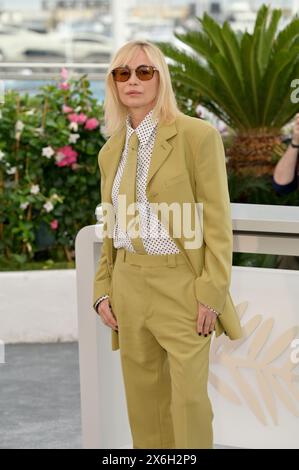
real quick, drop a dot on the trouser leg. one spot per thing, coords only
(173, 323)
(191, 409)
(144, 363)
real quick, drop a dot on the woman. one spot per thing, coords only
(285, 175)
(161, 294)
(285, 181)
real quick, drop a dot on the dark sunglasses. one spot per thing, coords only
(143, 72)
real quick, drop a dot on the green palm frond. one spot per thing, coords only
(244, 78)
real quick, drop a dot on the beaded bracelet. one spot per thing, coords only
(213, 310)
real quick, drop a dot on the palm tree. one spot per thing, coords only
(247, 80)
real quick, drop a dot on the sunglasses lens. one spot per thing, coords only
(121, 74)
(144, 73)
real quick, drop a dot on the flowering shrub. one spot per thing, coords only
(49, 179)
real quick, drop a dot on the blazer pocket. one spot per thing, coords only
(176, 179)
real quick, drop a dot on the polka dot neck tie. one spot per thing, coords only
(128, 216)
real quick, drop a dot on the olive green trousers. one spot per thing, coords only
(165, 363)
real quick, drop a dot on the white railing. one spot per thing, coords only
(253, 382)
(49, 70)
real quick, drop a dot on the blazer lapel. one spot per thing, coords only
(161, 148)
(111, 154)
(110, 157)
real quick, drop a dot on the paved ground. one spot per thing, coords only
(40, 397)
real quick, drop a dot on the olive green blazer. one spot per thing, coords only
(187, 165)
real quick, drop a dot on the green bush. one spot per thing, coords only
(49, 178)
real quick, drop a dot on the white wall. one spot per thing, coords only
(38, 306)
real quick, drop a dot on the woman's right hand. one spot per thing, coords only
(105, 312)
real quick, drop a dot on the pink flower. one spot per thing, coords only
(82, 118)
(67, 151)
(64, 73)
(73, 117)
(66, 156)
(67, 161)
(67, 109)
(79, 118)
(64, 86)
(54, 224)
(91, 124)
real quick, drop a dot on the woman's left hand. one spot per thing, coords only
(206, 320)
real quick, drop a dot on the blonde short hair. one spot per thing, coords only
(165, 109)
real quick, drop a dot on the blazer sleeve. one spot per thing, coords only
(102, 278)
(211, 184)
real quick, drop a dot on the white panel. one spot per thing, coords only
(269, 298)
